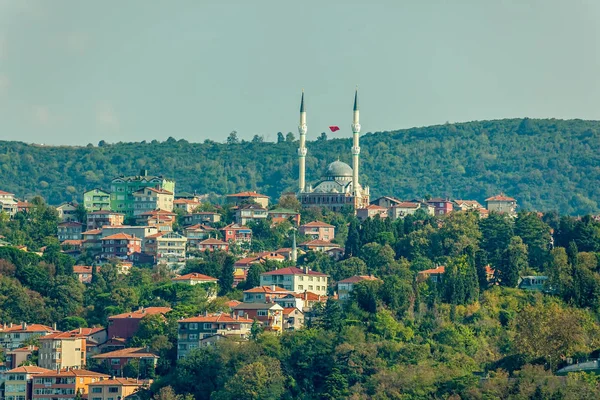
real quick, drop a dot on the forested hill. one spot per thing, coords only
(544, 164)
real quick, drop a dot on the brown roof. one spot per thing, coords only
(28, 328)
(72, 242)
(246, 261)
(248, 194)
(194, 276)
(406, 204)
(101, 212)
(142, 312)
(159, 212)
(289, 310)
(267, 289)
(74, 372)
(160, 191)
(78, 333)
(131, 352)
(438, 270)
(359, 278)
(28, 369)
(119, 382)
(118, 236)
(200, 227)
(92, 232)
(185, 201)
(233, 303)
(217, 318)
(3, 192)
(293, 271)
(317, 224)
(500, 197)
(468, 202)
(373, 207)
(213, 241)
(25, 349)
(84, 269)
(310, 296)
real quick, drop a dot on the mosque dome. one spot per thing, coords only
(338, 169)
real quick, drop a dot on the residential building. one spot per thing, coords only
(404, 208)
(346, 286)
(92, 240)
(116, 360)
(18, 384)
(64, 384)
(441, 206)
(101, 218)
(13, 336)
(167, 247)
(8, 203)
(197, 233)
(96, 200)
(213, 245)
(318, 245)
(270, 315)
(250, 213)
(192, 331)
(371, 211)
(533, 283)
(83, 273)
(126, 325)
(209, 283)
(187, 205)
(296, 280)
(264, 294)
(161, 219)
(248, 197)
(293, 319)
(236, 233)
(115, 388)
(502, 204)
(318, 230)
(280, 215)
(120, 245)
(150, 198)
(137, 231)
(62, 350)
(67, 212)
(434, 274)
(205, 217)
(23, 206)
(16, 357)
(123, 187)
(69, 231)
(467, 205)
(386, 201)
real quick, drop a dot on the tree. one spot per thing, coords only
(536, 236)
(322, 137)
(70, 323)
(233, 138)
(260, 380)
(365, 293)
(333, 316)
(258, 139)
(353, 240)
(460, 283)
(226, 276)
(496, 232)
(280, 137)
(253, 277)
(290, 137)
(397, 294)
(514, 261)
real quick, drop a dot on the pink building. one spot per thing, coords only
(318, 230)
(120, 245)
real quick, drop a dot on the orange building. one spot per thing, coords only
(64, 384)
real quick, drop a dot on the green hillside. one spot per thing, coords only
(544, 164)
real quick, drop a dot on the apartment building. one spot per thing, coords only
(62, 350)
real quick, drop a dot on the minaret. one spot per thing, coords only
(294, 250)
(355, 146)
(302, 149)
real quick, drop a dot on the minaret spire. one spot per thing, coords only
(355, 146)
(302, 128)
(294, 250)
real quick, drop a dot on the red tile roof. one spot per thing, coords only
(159, 212)
(92, 232)
(289, 310)
(200, 227)
(119, 382)
(406, 204)
(319, 243)
(131, 352)
(293, 271)
(212, 242)
(78, 333)
(317, 224)
(28, 369)
(102, 212)
(159, 191)
(267, 289)
(142, 312)
(185, 201)
(29, 328)
(74, 372)
(72, 242)
(5, 193)
(120, 236)
(373, 207)
(438, 270)
(233, 303)
(195, 277)
(310, 296)
(500, 197)
(84, 269)
(359, 278)
(217, 318)
(248, 194)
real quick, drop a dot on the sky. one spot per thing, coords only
(74, 72)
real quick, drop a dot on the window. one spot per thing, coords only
(310, 287)
(300, 287)
(193, 326)
(97, 389)
(115, 361)
(262, 313)
(113, 389)
(207, 326)
(193, 336)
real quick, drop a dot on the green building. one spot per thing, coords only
(122, 188)
(96, 200)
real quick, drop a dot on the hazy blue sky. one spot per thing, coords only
(75, 71)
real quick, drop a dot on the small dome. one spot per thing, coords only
(338, 169)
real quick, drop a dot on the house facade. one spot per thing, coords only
(126, 325)
(318, 230)
(8, 203)
(13, 336)
(168, 248)
(192, 331)
(270, 315)
(296, 280)
(115, 388)
(197, 233)
(116, 360)
(236, 233)
(213, 245)
(96, 200)
(120, 245)
(123, 187)
(62, 350)
(69, 231)
(346, 286)
(502, 204)
(187, 205)
(248, 197)
(208, 218)
(18, 382)
(152, 198)
(64, 384)
(250, 213)
(441, 206)
(280, 215)
(371, 211)
(101, 218)
(67, 212)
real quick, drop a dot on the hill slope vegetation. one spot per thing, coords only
(545, 164)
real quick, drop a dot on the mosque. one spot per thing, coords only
(339, 186)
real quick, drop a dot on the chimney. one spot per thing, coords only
(80, 331)
(305, 295)
(54, 326)
(24, 325)
(10, 325)
(273, 287)
(306, 269)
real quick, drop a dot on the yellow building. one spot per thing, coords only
(115, 388)
(17, 384)
(296, 280)
(64, 384)
(62, 350)
(148, 199)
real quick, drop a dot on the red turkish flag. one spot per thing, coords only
(334, 128)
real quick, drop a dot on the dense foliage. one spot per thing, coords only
(545, 164)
